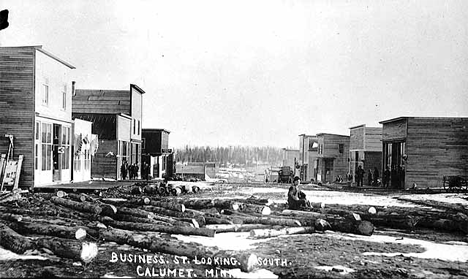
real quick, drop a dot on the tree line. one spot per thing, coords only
(231, 155)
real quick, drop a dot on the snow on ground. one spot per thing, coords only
(225, 241)
(342, 269)
(448, 198)
(448, 251)
(6, 255)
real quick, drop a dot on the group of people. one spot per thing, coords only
(130, 170)
(372, 177)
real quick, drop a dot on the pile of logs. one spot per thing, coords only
(69, 223)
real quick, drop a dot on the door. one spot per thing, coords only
(56, 153)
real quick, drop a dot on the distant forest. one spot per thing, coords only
(232, 155)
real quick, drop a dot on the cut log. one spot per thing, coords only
(186, 214)
(108, 210)
(11, 240)
(199, 203)
(218, 220)
(11, 217)
(240, 227)
(264, 210)
(195, 189)
(135, 212)
(50, 229)
(272, 221)
(61, 194)
(64, 248)
(404, 217)
(257, 233)
(77, 197)
(168, 205)
(159, 228)
(135, 219)
(456, 207)
(80, 206)
(338, 223)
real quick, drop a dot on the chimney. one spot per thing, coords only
(73, 89)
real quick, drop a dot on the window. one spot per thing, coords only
(46, 143)
(64, 97)
(45, 92)
(37, 138)
(66, 147)
(143, 144)
(341, 148)
(134, 126)
(138, 127)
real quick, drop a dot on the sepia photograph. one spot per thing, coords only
(234, 139)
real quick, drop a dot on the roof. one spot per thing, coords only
(358, 126)
(310, 136)
(39, 48)
(417, 117)
(155, 130)
(329, 134)
(137, 88)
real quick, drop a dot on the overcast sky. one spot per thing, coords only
(259, 72)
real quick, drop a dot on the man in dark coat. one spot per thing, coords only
(376, 176)
(359, 176)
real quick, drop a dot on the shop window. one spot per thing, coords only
(46, 144)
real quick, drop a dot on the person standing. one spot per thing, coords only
(145, 171)
(369, 178)
(123, 170)
(360, 176)
(376, 176)
(386, 177)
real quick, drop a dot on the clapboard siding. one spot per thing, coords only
(394, 130)
(356, 139)
(17, 106)
(102, 101)
(373, 139)
(330, 143)
(436, 147)
(102, 165)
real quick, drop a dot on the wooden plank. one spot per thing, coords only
(18, 172)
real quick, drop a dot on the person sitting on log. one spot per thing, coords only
(297, 198)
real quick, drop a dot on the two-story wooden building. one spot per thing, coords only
(332, 157)
(365, 149)
(117, 121)
(307, 160)
(422, 150)
(157, 154)
(35, 107)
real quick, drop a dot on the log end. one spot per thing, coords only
(366, 228)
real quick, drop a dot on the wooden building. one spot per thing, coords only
(365, 150)
(307, 160)
(422, 150)
(191, 171)
(156, 152)
(84, 146)
(117, 121)
(332, 157)
(35, 107)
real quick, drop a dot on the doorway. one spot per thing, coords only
(56, 152)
